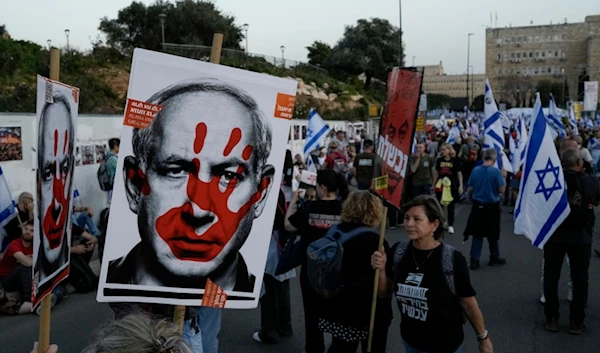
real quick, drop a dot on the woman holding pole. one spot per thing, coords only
(431, 283)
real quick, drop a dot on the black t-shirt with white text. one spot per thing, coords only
(315, 218)
(426, 304)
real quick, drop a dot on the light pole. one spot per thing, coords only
(400, 31)
(562, 70)
(468, 63)
(245, 28)
(413, 60)
(67, 32)
(282, 56)
(472, 84)
(162, 18)
(49, 44)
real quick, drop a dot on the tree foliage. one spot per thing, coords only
(545, 87)
(369, 47)
(437, 101)
(318, 53)
(186, 22)
(478, 103)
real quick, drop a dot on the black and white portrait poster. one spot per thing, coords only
(196, 187)
(57, 106)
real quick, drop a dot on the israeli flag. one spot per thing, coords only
(414, 144)
(588, 123)
(453, 134)
(315, 132)
(474, 130)
(542, 205)
(492, 127)
(573, 121)
(520, 144)
(310, 165)
(8, 208)
(554, 120)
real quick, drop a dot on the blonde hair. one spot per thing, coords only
(137, 333)
(362, 207)
(450, 149)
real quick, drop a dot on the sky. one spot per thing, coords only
(434, 30)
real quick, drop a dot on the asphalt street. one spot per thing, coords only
(508, 297)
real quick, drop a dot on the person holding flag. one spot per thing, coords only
(573, 121)
(554, 120)
(316, 131)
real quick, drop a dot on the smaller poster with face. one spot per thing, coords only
(396, 132)
(57, 108)
(196, 184)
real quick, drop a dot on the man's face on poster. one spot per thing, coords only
(56, 177)
(202, 186)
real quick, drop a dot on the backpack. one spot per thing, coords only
(582, 213)
(81, 275)
(340, 164)
(448, 253)
(324, 260)
(104, 179)
(8, 304)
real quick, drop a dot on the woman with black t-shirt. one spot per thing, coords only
(449, 166)
(431, 301)
(288, 176)
(347, 314)
(312, 222)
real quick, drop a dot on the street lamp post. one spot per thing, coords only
(162, 18)
(564, 101)
(468, 64)
(472, 84)
(400, 31)
(413, 61)
(67, 32)
(245, 28)
(282, 56)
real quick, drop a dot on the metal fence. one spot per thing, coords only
(238, 58)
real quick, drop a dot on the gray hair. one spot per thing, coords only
(144, 140)
(490, 154)
(569, 158)
(24, 196)
(137, 333)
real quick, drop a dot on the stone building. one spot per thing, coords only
(517, 58)
(437, 82)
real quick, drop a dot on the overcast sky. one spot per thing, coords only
(434, 30)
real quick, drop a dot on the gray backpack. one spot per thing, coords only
(104, 179)
(448, 252)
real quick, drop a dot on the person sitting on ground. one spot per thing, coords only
(431, 282)
(82, 217)
(347, 314)
(25, 208)
(81, 277)
(15, 266)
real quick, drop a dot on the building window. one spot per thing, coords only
(549, 38)
(537, 54)
(537, 39)
(506, 40)
(549, 70)
(543, 54)
(556, 53)
(556, 38)
(531, 54)
(512, 55)
(524, 55)
(513, 39)
(499, 56)
(563, 36)
(535, 70)
(518, 39)
(518, 55)
(506, 56)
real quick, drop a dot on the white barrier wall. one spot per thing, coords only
(92, 131)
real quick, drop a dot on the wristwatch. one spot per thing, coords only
(483, 336)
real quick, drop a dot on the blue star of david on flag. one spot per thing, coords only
(541, 174)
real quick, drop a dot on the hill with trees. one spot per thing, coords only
(341, 81)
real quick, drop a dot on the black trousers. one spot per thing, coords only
(579, 258)
(451, 207)
(19, 280)
(275, 313)
(313, 336)
(378, 345)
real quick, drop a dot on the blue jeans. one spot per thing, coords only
(192, 335)
(477, 244)
(410, 349)
(418, 190)
(210, 326)
(85, 221)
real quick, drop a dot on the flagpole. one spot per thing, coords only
(376, 281)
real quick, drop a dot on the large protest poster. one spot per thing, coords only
(396, 132)
(57, 109)
(196, 186)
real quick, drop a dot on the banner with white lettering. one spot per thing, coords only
(590, 97)
(396, 131)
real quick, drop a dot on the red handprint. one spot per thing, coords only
(178, 225)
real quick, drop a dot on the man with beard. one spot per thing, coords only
(54, 181)
(197, 181)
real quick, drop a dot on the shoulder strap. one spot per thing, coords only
(353, 233)
(401, 248)
(448, 252)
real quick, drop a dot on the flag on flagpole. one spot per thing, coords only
(542, 204)
(453, 134)
(492, 127)
(520, 144)
(315, 132)
(310, 165)
(8, 208)
(558, 128)
(573, 121)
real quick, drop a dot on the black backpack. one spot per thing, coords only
(104, 179)
(582, 211)
(81, 275)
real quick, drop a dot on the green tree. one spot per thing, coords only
(546, 87)
(186, 22)
(437, 101)
(3, 31)
(478, 103)
(318, 53)
(370, 47)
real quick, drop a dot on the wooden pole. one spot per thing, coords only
(215, 58)
(46, 304)
(376, 281)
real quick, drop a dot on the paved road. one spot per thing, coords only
(508, 297)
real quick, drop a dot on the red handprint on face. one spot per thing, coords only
(178, 225)
(56, 215)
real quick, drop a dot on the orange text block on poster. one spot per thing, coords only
(284, 106)
(140, 114)
(214, 296)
